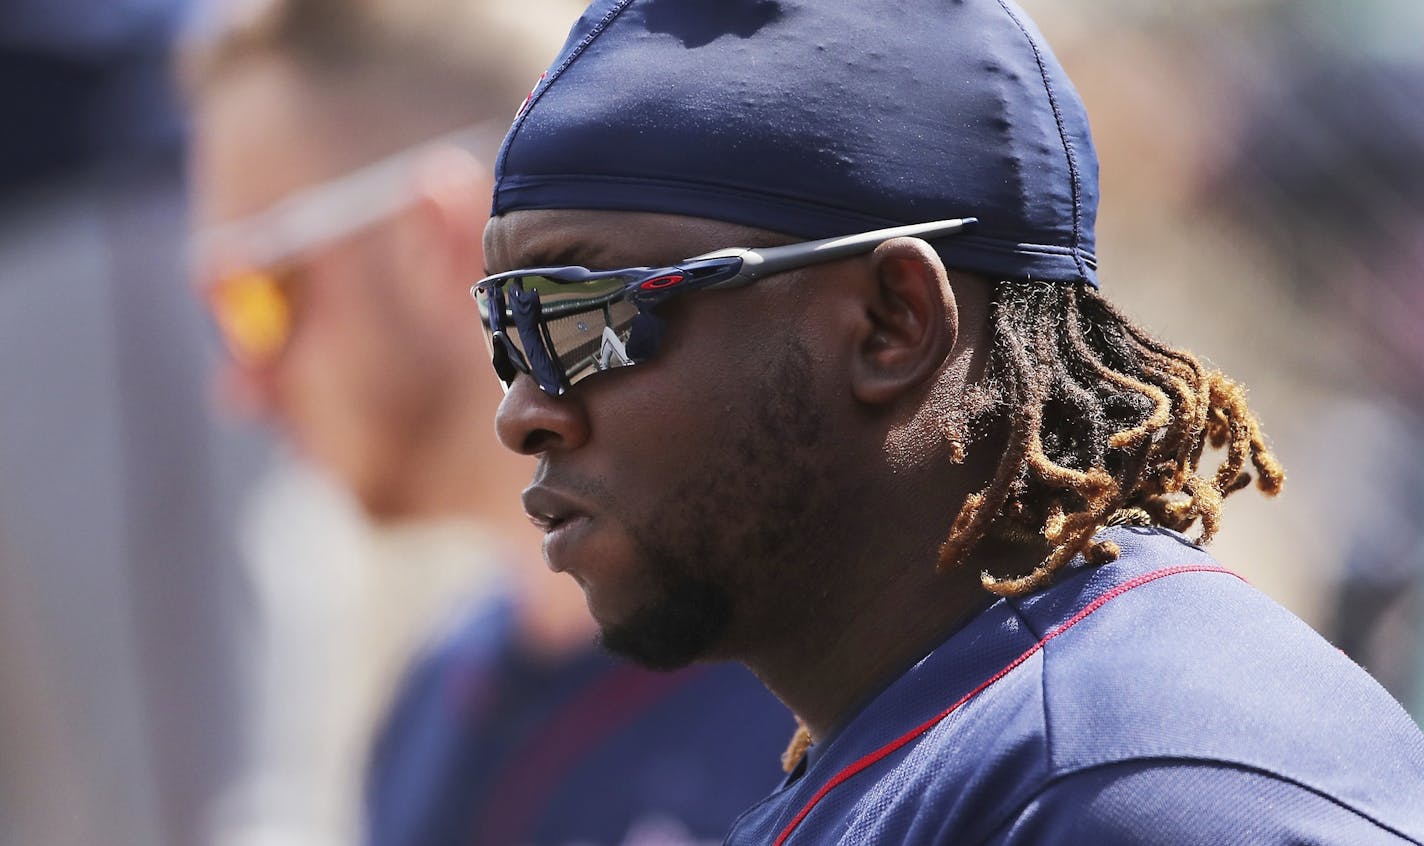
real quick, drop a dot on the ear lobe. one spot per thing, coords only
(911, 321)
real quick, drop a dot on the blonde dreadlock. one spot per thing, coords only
(1105, 425)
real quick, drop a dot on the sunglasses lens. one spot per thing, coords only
(585, 325)
(582, 327)
(254, 314)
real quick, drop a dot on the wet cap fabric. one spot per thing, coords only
(818, 118)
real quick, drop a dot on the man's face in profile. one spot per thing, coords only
(688, 494)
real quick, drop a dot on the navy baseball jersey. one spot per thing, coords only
(1156, 699)
(489, 745)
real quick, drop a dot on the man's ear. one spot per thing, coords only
(445, 226)
(910, 322)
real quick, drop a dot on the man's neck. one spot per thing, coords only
(882, 629)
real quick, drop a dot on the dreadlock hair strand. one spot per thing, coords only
(1107, 425)
(979, 509)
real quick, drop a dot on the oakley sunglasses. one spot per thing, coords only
(560, 325)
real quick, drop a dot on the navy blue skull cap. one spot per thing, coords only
(818, 118)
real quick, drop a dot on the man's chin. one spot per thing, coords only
(673, 633)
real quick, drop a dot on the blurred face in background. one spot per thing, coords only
(353, 344)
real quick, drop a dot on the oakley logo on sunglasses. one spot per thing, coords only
(552, 310)
(662, 282)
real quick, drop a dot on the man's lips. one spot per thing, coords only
(562, 541)
(562, 518)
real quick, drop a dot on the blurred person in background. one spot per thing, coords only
(1330, 171)
(340, 182)
(123, 611)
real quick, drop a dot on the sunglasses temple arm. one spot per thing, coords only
(770, 260)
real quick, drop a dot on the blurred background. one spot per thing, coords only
(198, 632)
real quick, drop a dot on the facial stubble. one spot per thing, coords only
(740, 547)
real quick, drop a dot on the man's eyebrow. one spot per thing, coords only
(547, 256)
(574, 252)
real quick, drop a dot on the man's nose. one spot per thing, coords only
(531, 422)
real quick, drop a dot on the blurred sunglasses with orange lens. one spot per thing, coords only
(252, 293)
(254, 312)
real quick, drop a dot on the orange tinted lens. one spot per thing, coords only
(254, 314)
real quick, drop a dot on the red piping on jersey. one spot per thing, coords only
(879, 754)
